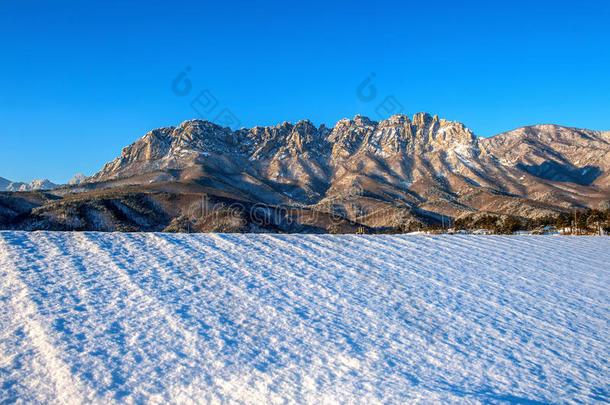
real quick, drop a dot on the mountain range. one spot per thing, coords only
(42, 184)
(298, 177)
(35, 185)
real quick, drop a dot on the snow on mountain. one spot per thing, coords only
(42, 184)
(450, 170)
(391, 174)
(218, 318)
(77, 179)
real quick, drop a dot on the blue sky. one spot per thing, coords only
(82, 80)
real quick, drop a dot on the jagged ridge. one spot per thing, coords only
(375, 174)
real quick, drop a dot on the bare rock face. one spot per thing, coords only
(360, 166)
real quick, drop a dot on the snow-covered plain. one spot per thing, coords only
(175, 318)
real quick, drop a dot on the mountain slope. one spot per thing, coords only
(4, 183)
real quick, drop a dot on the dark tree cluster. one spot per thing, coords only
(581, 222)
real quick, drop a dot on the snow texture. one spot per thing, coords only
(217, 318)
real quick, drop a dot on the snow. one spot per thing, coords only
(466, 162)
(217, 318)
(445, 129)
(77, 179)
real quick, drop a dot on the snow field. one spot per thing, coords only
(218, 318)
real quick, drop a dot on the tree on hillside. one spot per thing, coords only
(488, 222)
(510, 225)
(581, 221)
(595, 220)
(562, 221)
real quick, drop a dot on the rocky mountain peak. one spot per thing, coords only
(398, 120)
(348, 135)
(433, 157)
(397, 134)
(423, 119)
(77, 179)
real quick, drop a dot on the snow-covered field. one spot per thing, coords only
(158, 318)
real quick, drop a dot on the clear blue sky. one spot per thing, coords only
(82, 80)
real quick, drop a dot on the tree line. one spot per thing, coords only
(580, 222)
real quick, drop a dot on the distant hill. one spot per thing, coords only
(43, 184)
